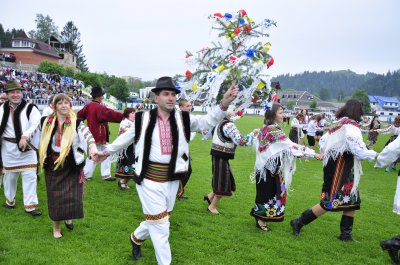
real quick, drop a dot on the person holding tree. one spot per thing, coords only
(161, 139)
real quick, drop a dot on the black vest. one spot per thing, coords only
(147, 141)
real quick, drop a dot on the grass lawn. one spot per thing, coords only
(198, 237)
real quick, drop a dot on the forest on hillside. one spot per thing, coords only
(340, 84)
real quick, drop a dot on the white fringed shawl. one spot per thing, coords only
(336, 142)
(272, 146)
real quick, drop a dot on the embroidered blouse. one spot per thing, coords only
(231, 131)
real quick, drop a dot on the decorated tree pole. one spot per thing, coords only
(240, 54)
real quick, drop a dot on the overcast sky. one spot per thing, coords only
(148, 39)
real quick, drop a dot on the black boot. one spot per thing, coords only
(136, 252)
(346, 226)
(306, 217)
(392, 246)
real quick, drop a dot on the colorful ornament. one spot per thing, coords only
(242, 12)
(270, 62)
(250, 53)
(188, 74)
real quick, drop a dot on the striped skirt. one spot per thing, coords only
(338, 182)
(64, 191)
(223, 183)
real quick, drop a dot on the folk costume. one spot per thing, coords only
(390, 154)
(226, 137)
(61, 155)
(18, 122)
(125, 166)
(274, 168)
(162, 160)
(98, 116)
(343, 149)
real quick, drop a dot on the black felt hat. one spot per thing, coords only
(165, 83)
(97, 92)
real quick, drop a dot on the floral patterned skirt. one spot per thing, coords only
(338, 182)
(125, 163)
(270, 200)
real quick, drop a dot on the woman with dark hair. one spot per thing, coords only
(125, 167)
(63, 142)
(274, 167)
(343, 149)
(373, 134)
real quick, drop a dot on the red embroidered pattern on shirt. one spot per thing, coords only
(165, 137)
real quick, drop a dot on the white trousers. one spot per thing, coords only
(90, 166)
(29, 184)
(158, 201)
(396, 203)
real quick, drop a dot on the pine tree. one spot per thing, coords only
(70, 33)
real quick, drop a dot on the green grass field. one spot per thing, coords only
(198, 237)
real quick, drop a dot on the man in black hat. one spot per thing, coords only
(161, 138)
(18, 130)
(98, 116)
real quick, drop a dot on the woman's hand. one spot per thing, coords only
(319, 156)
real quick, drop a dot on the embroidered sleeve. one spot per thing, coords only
(230, 130)
(389, 154)
(85, 135)
(302, 151)
(122, 141)
(359, 149)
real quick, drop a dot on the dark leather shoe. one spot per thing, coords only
(69, 226)
(207, 199)
(9, 206)
(392, 246)
(34, 213)
(136, 252)
(296, 226)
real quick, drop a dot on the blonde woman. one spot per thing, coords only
(63, 142)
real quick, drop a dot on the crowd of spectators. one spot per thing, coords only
(39, 87)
